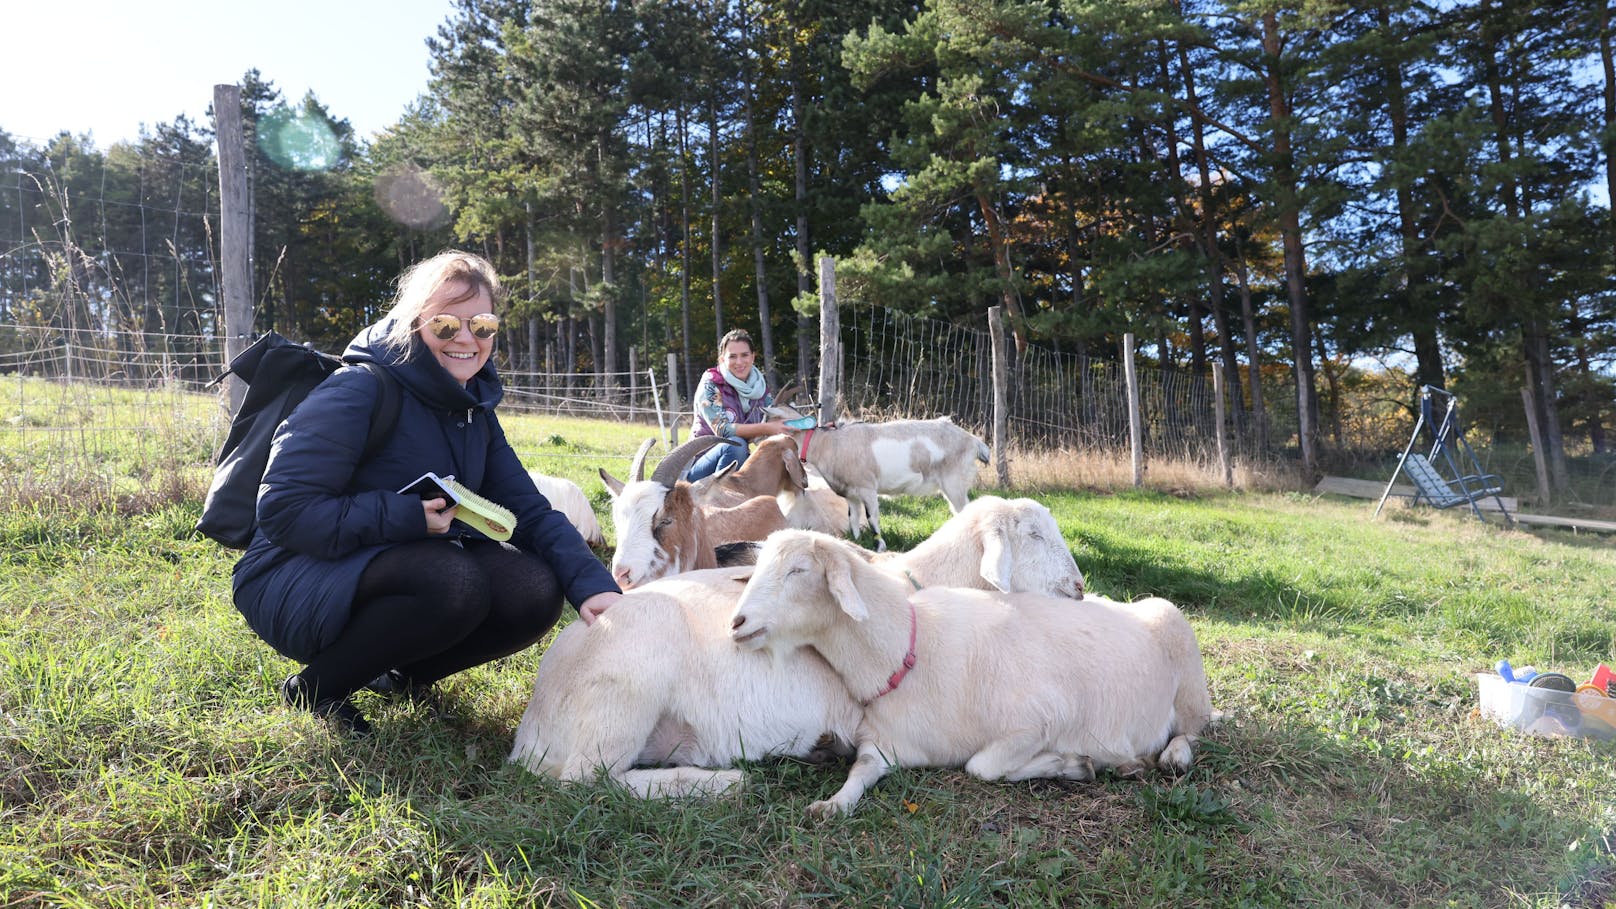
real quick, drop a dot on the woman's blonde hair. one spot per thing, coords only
(421, 281)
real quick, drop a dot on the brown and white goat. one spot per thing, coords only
(775, 469)
(660, 528)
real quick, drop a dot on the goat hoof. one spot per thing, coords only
(824, 809)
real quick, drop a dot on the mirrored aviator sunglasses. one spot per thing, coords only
(444, 326)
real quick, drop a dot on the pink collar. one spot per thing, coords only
(809, 434)
(908, 658)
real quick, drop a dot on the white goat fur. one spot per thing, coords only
(568, 498)
(862, 461)
(657, 678)
(1008, 686)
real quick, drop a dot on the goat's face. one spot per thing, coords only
(1023, 551)
(657, 532)
(801, 585)
(782, 449)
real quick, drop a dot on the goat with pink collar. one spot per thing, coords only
(1008, 686)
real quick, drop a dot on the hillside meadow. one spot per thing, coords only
(145, 760)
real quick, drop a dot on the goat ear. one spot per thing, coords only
(996, 559)
(840, 581)
(613, 484)
(799, 477)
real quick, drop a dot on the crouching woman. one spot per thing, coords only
(372, 588)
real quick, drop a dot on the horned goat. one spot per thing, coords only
(861, 461)
(1008, 686)
(775, 469)
(661, 530)
(568, 498)
(657, 679)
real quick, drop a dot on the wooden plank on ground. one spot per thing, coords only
(1574, 523)
(1371, 489)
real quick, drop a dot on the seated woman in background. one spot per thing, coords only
(730, 402)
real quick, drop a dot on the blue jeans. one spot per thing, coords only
(714, 459)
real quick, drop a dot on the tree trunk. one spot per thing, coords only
(1428, 366)
(1183, 228)
(718, 271)
(755, 193)
(1209, 239)
(609, 242)
(1001, 266)
(1290, 224)
(805, 279)
(684, 249)
(1609, 66)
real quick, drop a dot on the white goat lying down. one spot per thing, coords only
(1008, 686)
(658, 680)
(568, 498)
(862, 461)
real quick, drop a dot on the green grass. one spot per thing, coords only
(144, 760)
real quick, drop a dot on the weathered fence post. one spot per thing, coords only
(1136, 433)
(674, 407)
(830, 342)
(235, 230)
(1217, 409)
(1001, 379)
(633, 379)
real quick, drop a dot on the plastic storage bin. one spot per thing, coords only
(1544, 711)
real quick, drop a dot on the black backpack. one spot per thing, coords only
(279, 374)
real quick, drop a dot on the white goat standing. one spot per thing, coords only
(568, 498)
(1008, 686)
(862, 461)
(657, 679)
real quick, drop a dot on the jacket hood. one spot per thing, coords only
(417, 370)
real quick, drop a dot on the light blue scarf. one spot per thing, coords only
(749, 389)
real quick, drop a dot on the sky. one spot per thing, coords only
(104, 68)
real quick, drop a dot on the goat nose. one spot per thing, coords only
(624, 578)
(739, 621)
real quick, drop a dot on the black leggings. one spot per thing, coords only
(430, 609)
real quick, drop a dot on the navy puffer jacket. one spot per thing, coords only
(323, 515)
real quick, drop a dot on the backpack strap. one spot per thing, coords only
(384, 418)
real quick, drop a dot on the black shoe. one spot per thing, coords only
(395, 684)
(339, 712)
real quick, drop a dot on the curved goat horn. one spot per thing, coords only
(636, 469)
(678, 460)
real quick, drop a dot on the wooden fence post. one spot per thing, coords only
(633, 378)
(1217, 408)
(235, 230)
(1136, 434)
(830, 342)
(674, 407)
(1001, 379)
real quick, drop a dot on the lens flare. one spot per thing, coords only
(411, 197)
(298, 140)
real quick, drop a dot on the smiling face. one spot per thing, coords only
(737, 358)
(464, 354)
